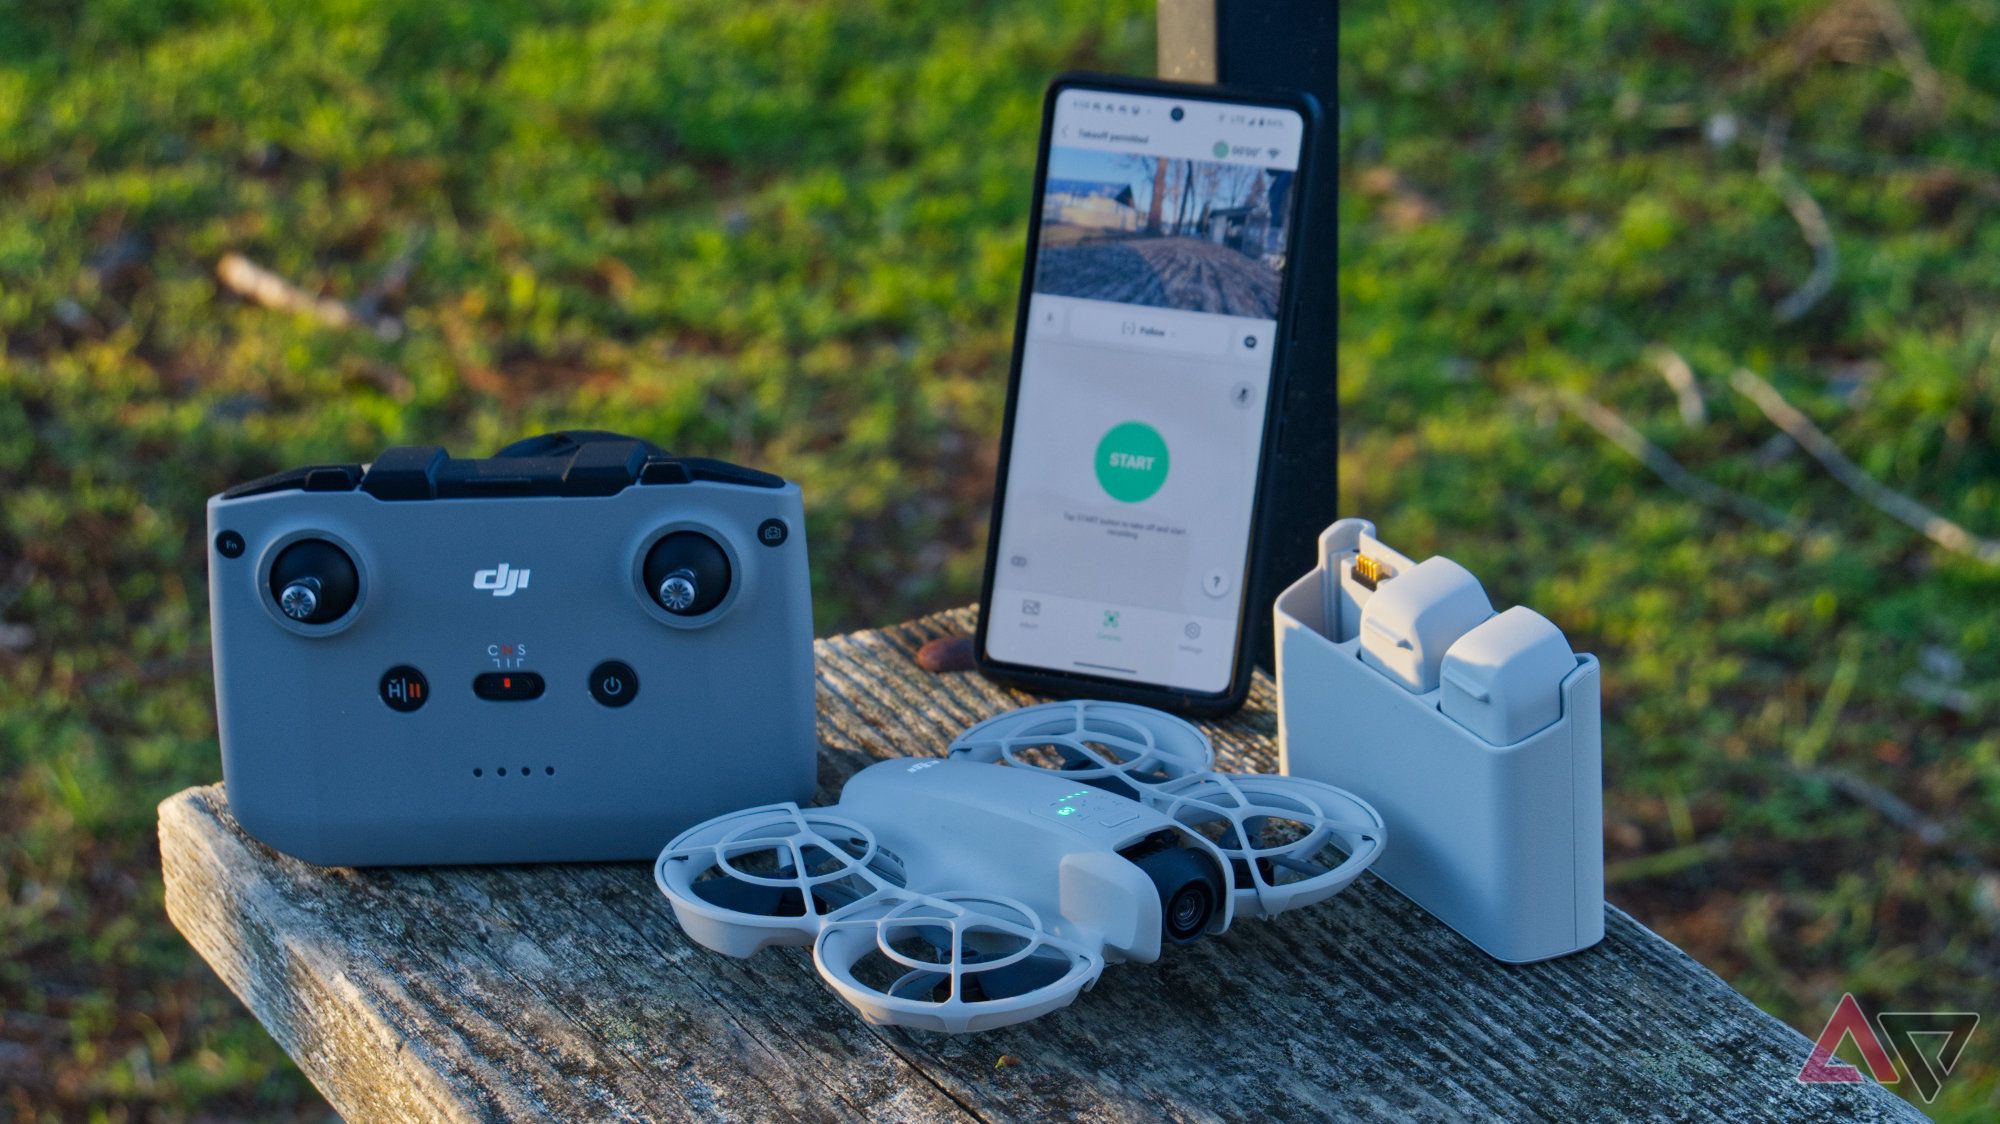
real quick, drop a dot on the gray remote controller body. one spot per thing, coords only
(570, 651)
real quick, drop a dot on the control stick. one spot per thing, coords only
(687, 574)
(314, 582)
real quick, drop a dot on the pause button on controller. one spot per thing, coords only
(614, 683)
(404, 688)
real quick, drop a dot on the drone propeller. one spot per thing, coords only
(1119, 747)
(748, 897)
(769, 875)
(991, 973)
(1289, 841)
(953, 962)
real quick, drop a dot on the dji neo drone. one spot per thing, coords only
(993, 885)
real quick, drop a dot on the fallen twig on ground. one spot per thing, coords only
(1620, 432)
(1680, 377)
(1819, 733)
(1774, 450)
(1925, 81)
(391, 285)
(1812, 225)
(255, 283)
(1927, 689)
(1896, 505)
(1661, 864)
(1890, 806)
(1858, 31)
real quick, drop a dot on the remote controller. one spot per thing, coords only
(570, 650)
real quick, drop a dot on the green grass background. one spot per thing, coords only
(790, 234)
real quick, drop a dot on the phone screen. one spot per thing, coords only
(1139, 406)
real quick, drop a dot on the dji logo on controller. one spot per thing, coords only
(502, 581)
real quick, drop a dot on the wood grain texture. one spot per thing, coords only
(568, 991)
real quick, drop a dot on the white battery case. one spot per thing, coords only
(1475, 734)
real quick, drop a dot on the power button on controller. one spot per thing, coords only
(614, 683)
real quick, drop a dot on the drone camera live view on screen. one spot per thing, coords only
(1140, 402)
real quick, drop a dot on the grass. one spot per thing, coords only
(789, 234)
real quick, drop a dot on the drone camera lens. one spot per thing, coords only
(1188, 912)
(1190, 891)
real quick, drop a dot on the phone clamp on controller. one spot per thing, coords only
(570, 650)
(1475, 733)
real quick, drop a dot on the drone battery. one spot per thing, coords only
(1503, 679)
(1489, 777)
(1408, 624)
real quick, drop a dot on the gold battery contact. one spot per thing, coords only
(1369, 571)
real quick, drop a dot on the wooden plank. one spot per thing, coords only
(568, 991)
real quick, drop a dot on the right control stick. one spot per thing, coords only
(687, 573)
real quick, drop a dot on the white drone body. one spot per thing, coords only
(993, 885)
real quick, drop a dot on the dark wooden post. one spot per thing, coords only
(1289, 44)
(1187, 40)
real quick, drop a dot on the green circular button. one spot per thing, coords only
(1131, 462)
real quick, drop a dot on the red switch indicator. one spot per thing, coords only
(508, 686)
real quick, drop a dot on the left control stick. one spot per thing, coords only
(314, 582)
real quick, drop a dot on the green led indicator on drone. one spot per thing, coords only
(1066, 810)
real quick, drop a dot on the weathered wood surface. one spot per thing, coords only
(568, 991)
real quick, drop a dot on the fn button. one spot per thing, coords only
(404, 688)
(614, 683)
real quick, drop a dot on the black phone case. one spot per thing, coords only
(1069, 683)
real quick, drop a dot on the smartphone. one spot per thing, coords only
(1149, 352)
